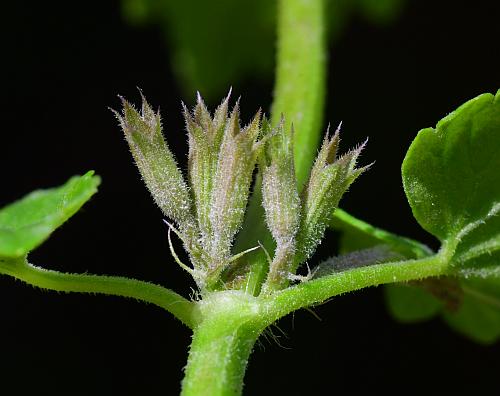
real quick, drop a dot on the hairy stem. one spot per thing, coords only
(300, 77)
(231, 321)
(317, 291)
(218, 359)
(299, 95)
(222, 344)
(172, 302)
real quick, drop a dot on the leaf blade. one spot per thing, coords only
(28, 222)
(452, 181)
(450, 173)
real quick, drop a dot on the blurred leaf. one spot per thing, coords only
(381, 11)
(476, 314)
(479, 314)
(26, 223)
(409, 303)
(217, 44)
(213, 44)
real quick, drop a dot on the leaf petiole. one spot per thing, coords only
(181, 308)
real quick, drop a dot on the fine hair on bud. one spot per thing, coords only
(236, 163)
(156, 163)
(329, 179)
(222, 158)
(209, 209)
(281, 202)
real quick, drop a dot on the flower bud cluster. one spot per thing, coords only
(298, 224)
(222, 158)
(209, 210)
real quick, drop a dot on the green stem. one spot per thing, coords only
(231, 321)
(172, 302)
(317, 291)
(301, 77)
(367, 235)
(218, 359)
(299, 95)
(222, 344)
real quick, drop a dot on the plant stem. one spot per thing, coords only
(317, 291)
(367, 235)
(182, 309)
(301, 77)
(231, 321)
(222, 344)
(299, 95)
(217, 359)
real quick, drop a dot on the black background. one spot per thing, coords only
(65, 64)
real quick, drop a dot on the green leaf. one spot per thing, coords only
(451, 176)
(452, 179)
(451, 173)
(26, 223)
(478, 252)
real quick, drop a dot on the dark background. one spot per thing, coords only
(65, 64)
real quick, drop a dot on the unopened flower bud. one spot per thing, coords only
(156, 163)
(281, 203)
(205, 137)
(231, 186)
(329, 179)
(279, 186)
